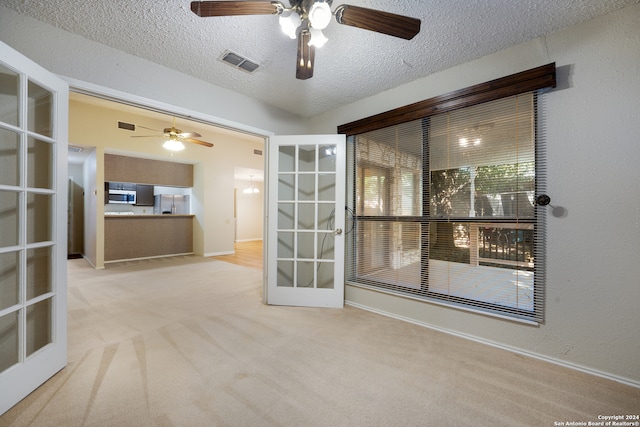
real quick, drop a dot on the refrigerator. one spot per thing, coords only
(171, 204)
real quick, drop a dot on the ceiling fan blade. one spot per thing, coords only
(229, 8)
(391, 24)
(146, 136)
(306, 57)
(189, 135)
(197, 141)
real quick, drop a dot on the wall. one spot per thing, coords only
(101, 65)
(249, 211)
(93, 247)
(593, 152)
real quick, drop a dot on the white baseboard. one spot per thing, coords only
(148, 257)
(259, 239)
(84, 257)
(542, 357)
(219, 253)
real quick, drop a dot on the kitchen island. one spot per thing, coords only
(129, 237)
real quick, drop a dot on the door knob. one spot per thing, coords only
(543, 200)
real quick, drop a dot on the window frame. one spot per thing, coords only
(532, 80)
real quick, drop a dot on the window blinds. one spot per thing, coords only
(443, 208)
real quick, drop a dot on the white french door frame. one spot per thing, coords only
(305, 216)
(30, 370)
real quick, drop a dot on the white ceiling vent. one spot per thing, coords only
(74, 149)
(238, 61)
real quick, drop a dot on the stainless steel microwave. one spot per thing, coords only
(122, 196)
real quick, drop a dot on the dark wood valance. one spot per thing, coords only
(533, 79)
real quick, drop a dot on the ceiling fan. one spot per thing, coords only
(174, 137)
(306, 19)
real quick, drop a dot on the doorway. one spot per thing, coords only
(248, 215)
(96, 119)
(248, 204)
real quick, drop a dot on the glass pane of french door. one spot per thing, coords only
(33, 141)
(306, 221)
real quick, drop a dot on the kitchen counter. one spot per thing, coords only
(147, 236)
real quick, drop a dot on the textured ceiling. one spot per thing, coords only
(354, 64)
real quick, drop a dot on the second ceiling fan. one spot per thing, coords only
(174, 137)
(306, 19)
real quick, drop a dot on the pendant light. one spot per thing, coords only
(251, 189)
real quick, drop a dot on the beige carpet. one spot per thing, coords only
(186, 341)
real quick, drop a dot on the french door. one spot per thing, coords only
(305, 231)
(33, 202)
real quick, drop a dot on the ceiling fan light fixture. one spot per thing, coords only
(173, 145)
(297, 20)
(319, 15)
(289, 23)
(317, 38)
(306, 54)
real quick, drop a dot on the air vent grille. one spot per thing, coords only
(127, 126)
(74, 149)
(238, 61)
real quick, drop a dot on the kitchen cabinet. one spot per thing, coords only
(144, 195)
(147, 171)
(122, 186)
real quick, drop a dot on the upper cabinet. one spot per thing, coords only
(144, 195)
(146, 171)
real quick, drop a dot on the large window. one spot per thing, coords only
(443, 207)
